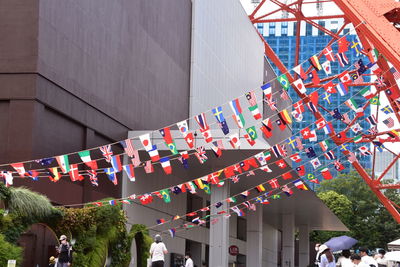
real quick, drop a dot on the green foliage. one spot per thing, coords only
(368, 220)
(25, 208)
(4, 192)
(97, 231)
(28, 204)
(143, 243)
(9, 251)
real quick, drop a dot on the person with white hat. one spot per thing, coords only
(157, 252)
(326, 258)
(65, 253)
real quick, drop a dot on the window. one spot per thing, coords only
(308, 30)
(284, 31)
(346, 31)
(272, 31)
(241, 229)
(321, 23)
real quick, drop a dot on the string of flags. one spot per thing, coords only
(200, 119)
(213, 218)
(262, 158)
(304, 135)
(249, 204)
(116, 162)
(217, 146)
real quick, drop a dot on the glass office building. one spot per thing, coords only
(282, 39)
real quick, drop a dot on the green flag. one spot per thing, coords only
(252, 132)
(165, 195)
(284, 81)
(374, 101)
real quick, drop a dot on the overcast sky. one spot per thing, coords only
(308, 10)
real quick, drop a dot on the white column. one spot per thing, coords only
(304, 245)
(254, 237)
(219, 232)
(288, 240)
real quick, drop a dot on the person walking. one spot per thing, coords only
(356, 260)
(380, 258)
(65, 253)
(326, 258)
(344, 260)
(157, 252)
(189, 261)
(365, 258)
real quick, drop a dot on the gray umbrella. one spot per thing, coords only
(340, 243)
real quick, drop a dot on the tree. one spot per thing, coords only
(349, 197)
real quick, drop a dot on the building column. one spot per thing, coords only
(288, 240)
(304, 245)
(219, 232)
(254, 238)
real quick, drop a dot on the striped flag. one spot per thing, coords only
(389, 122)
(395, 73)
(127, 145)
(343, 60)
(63, 162)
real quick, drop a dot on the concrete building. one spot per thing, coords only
(79, 74)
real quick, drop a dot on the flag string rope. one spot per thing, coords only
(239, 194)
(245, 172)
(190, 118)
(194, 151)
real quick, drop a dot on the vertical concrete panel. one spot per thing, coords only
(304, 245)
(227, 55)
(254, 238)
(288, 240)
(270, 246)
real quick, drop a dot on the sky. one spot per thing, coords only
(309, 10)
(328, 9)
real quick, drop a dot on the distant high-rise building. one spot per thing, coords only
(382, 161)
(281, 36)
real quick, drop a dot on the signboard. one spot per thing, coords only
(11, 263)
(233, 250)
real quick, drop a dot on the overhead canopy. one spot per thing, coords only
(394, 245)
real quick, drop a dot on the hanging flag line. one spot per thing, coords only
(171, 125)
(271, 116)
(190, 225)
(191, 180)
(221, 170)
(142, 163)
(266, 194)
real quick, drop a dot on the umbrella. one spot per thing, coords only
(340, 243)
(392, 256)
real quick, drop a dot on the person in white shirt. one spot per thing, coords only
(157, 252)
(344, 259)
(367, 259)
(189, 261)
(326, 257)
(356, 260)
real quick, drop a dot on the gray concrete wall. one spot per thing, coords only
(78, 74)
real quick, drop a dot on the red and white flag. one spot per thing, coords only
(234, 140)
(328, 53)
